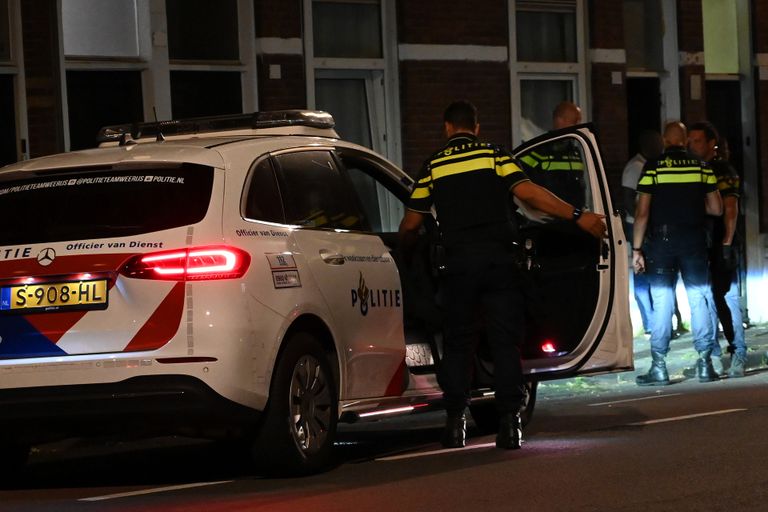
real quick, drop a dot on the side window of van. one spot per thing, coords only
(316, 193)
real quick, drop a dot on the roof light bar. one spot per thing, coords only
(255, 120)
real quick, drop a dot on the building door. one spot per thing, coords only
(643, 109)
(724, 111)
(355, 99)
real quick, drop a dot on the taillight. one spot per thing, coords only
(190, 264)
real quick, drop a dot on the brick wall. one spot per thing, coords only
(43, 77)
(606, 24)
(427, 87)
(692, 110)
(288, 92)
(609, 114)
(280, 19)
(609, 100)
(690, 26)
(690, 40)
(481, 22)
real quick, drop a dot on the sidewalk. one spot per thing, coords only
(681, 356)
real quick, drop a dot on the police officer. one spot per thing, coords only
(676, 191)
(468, 183)
(558, 166)
(651, 146)
(703, 141)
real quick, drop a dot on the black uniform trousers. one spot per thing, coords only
(481, 291)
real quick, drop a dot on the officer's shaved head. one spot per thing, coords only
(566, 114)
(675, 134)
(462, 115)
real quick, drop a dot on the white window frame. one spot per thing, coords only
(670, 77)
(574, 71)
(388, 66)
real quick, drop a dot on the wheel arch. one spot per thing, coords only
(315, 326)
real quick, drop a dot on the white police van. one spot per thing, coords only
(238, 276)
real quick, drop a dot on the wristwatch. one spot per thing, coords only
(576, 214)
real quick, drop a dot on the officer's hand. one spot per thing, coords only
(638, 262)
(594, 224)
(729, 257)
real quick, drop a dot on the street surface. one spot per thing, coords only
(595, 444)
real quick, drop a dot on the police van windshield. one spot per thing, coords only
(102, 203)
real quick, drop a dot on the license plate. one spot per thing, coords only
(54, 296)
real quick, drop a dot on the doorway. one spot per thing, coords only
(643, 109)
(724, 111)
(355, 99)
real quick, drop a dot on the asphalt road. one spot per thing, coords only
(688, 446)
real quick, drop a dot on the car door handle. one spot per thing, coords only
(331, 258)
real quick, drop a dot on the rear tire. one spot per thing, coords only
(486, 416)
(299, 425)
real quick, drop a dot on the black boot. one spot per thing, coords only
(455, 433)
(657, 375)
(704, 370)
(510, 436)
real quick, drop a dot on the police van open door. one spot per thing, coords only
(578, 315)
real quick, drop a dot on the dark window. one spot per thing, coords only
(84, 204)
(205, 93)
(316, 193)
(5, 32)
(263, 200)
(99, 98)
(202, 30)
(347, 29)
(545, 35)
(7, 121)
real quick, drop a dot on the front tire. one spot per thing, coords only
(299, 426)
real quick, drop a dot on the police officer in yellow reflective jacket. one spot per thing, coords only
(558, 165)
(676, 192)
(704, 142)
(468, 183)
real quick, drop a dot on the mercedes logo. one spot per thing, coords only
(46, 256)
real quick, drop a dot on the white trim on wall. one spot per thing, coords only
(608, 56)
(670, 80)
(279, 46)
(691, 58)
(454, 52)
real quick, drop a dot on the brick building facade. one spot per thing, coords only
(395, 64)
